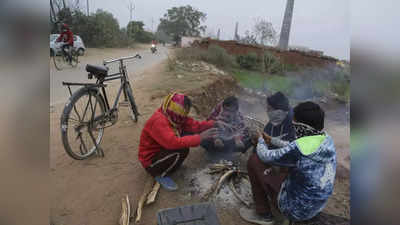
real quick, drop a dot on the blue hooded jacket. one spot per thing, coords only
(310, 182)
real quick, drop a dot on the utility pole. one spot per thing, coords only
(219, 31)
(131, 7)
(87, 7)
(287, 22)
(236, 37)
(152, 23)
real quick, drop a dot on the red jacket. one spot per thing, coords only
(158, 134)
(67, 37)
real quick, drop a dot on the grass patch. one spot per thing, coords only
(249, 79)
(257, 81)
(293, 86)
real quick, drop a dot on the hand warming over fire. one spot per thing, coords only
(266, 138)
(254, 135)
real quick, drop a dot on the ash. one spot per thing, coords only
(200, 181)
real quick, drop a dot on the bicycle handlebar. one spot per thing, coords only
(105, 62)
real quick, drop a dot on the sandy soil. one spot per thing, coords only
(89, 192)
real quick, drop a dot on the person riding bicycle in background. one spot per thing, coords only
(67, 37)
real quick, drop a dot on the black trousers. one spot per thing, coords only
(68, 54)
(167, 161)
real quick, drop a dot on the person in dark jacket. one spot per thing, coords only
(280, 118)
(233, 134)
(303, 192)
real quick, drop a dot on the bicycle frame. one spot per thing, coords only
(122, 75)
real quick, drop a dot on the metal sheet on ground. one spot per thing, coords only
(198, 214)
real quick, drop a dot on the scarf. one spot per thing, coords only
(173, 108)
(303, 130)
(276, 117)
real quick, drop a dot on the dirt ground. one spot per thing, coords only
(89, 192)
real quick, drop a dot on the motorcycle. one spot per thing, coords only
(153, 48)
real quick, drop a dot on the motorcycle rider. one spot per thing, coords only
(153, 46)
(67, 37)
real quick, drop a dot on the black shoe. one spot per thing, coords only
(251, 216)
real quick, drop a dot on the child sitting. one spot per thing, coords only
(233, 135)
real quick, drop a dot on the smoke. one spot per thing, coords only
(312, 83)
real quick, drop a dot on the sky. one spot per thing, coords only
(320, 25)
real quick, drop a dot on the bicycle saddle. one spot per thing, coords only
(97, 71)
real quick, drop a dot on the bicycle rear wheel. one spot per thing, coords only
(132, 105)
(74, 58)
(79, 132)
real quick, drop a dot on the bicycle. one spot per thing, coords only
(88, 112)
(60, 59)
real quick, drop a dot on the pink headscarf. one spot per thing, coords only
(173, 107)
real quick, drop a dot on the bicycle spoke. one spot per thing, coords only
(91, 107)
(86, 108)
(74, 120)
(76, 112)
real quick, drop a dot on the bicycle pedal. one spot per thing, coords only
(124, 104)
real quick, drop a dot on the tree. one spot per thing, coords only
(249, 38)
(182, 21)
(265, 32)
(162, 36)
(103, 29)
(135, 30)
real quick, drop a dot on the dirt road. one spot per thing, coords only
(59, 94)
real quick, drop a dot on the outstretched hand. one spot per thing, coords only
(207, 134)
(266, 138)
(221, 124)
(254, 135)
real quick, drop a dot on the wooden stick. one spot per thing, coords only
(147, 188)
(125, 212)
(153, 194)
(222, 179)
(232, 187)
(210, 191)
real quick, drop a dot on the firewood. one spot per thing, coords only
(153, 194)
(147, 189)
(222, 179)
(232, 187)
(125, 212)
(210, 191)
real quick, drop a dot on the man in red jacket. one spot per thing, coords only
(67, 37)
(163, 146)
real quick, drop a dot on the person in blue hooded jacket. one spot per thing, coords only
(303, 192)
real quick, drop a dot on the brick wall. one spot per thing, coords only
(288, 57)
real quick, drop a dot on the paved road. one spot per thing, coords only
(60, 94)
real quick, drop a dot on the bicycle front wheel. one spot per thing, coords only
(80, 132)
(59, 61)
(133, 111)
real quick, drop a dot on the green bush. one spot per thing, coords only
(273, 64)
(249, 61)
(214, 55)
(219, 57)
